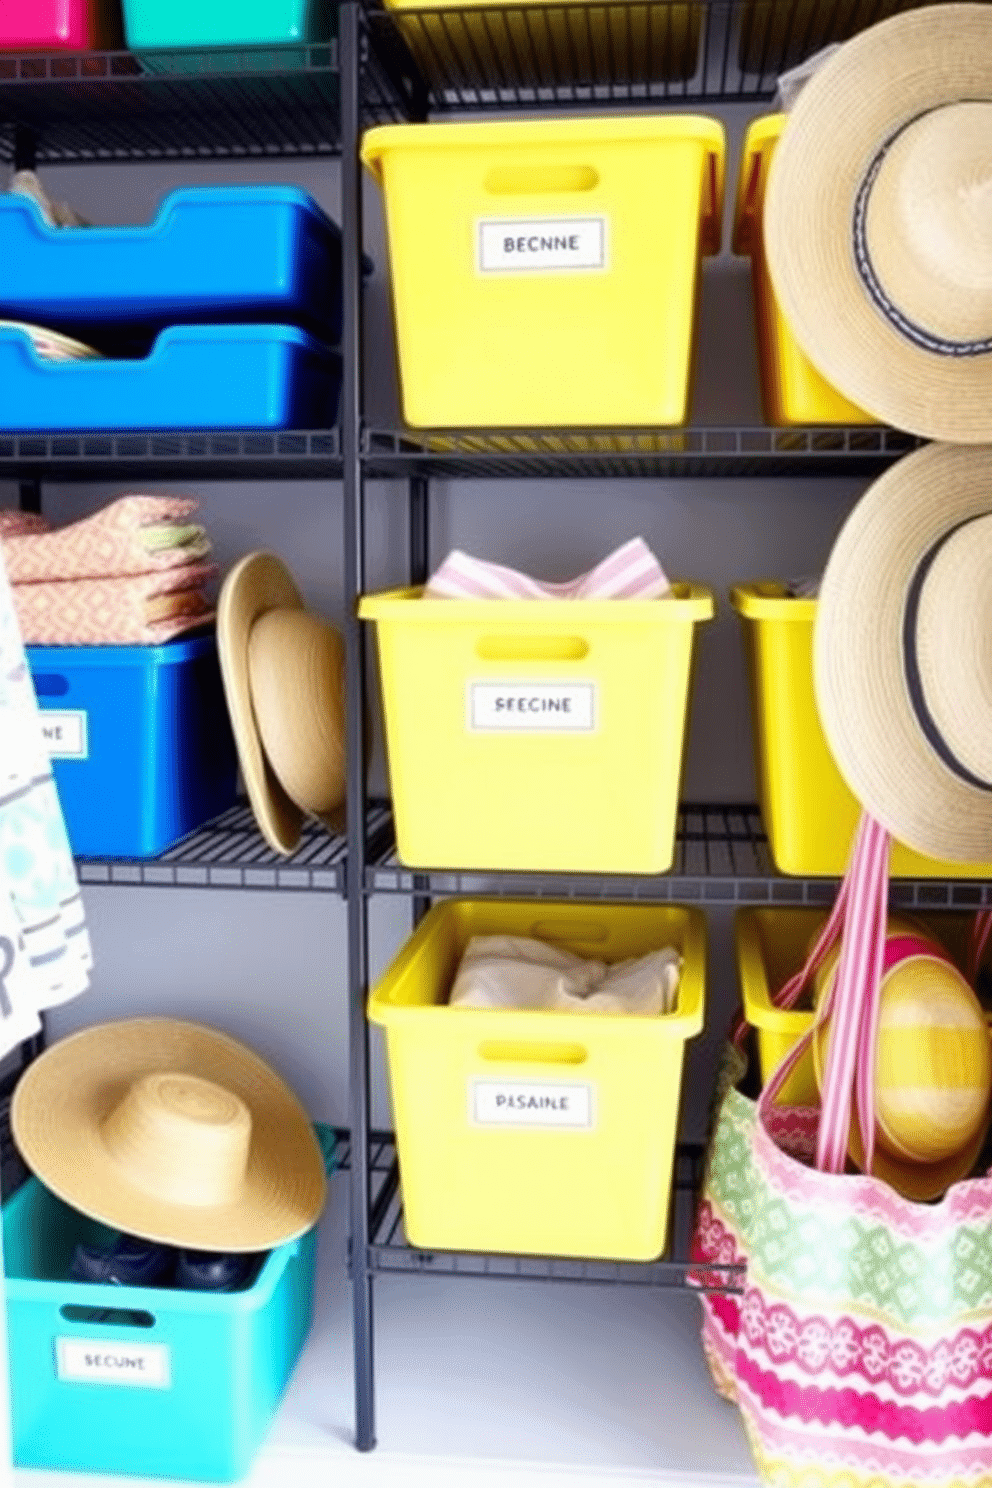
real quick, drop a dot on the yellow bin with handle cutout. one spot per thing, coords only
(530, 1132)
(546, 272)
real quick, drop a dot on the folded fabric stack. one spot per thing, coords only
(133, 573)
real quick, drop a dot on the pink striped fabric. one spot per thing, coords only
(631, 572)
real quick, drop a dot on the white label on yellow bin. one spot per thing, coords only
(552, 243)
(64, 733)
(97, 1361)
(544, 707)
(529, 1103)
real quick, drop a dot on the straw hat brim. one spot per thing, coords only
(871, 87)
(65, 1095)
(859, 671)
(258, 583)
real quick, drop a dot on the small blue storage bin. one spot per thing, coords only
(140, 740)
(212, 1366)
(196, 377)
(213, 253)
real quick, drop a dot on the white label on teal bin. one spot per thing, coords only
(532, 707)
(97, 1361)
(64, 732)
(547, 244)
(529, 1103)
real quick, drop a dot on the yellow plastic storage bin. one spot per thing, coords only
(792, 390)
(808, 811)
(550, 44)
(545, 272)
(772, 945)
(531, 1132)
(535, 734)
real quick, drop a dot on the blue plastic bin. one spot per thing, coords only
(196, 377)
(239, 23)
(201, 1373)
(140, 741)
(213, 253)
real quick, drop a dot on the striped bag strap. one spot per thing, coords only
(858, 920)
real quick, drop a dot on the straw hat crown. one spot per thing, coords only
(878, 221)
(172, 1131)
(284, 679)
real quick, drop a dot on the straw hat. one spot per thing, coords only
(878, 221)
(173, 1132)
(902, 651)
(933, 1073)
(283, 671)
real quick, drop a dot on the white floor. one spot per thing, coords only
(486, 1383)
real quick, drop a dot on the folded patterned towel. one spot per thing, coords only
(142, 609)
(515, 971)
(631, 572)
(133, 535)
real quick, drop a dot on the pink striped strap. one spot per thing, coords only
(631, 572)
(859, 919)
(980, 930)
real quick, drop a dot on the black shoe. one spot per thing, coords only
(128, 1261)
(212, 1271)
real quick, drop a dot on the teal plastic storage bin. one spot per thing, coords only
(140, 741)
(225, 23)
(201, 1373)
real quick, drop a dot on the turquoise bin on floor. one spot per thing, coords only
(196, 1376)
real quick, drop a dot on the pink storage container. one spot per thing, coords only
(60, 25)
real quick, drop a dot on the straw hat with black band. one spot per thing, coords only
(878, 221)
(283, 673)
(173, 1132)
(902, 651)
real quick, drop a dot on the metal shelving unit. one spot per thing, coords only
(443, 63)
(313, 102)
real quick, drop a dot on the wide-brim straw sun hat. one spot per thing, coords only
(283, 673)
(171, 1131)
(878, 221)
(902, 651)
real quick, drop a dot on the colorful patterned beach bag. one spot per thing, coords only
(859, 1346)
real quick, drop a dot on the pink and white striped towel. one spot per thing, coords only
(631, 572)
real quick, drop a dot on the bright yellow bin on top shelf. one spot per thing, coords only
(808, 811)
(772, 945)
(541, 44)
(534, 734)
(792, 390)
(545, 272)
(537, 1132)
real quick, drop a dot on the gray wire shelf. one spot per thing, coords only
(174, 455)
(244, 103)
(721, 857)
(390, 1252)
(632, 53)
(701, 453)
(230, 853)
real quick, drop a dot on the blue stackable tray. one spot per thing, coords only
(213, 253)
(196, 377)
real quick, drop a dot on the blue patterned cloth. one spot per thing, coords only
(45, 956)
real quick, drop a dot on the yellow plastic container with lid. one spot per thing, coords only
(792, 390)
(530, 1132)
(808, 811)
(536, 734)
(771, 946)
(545, 272)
